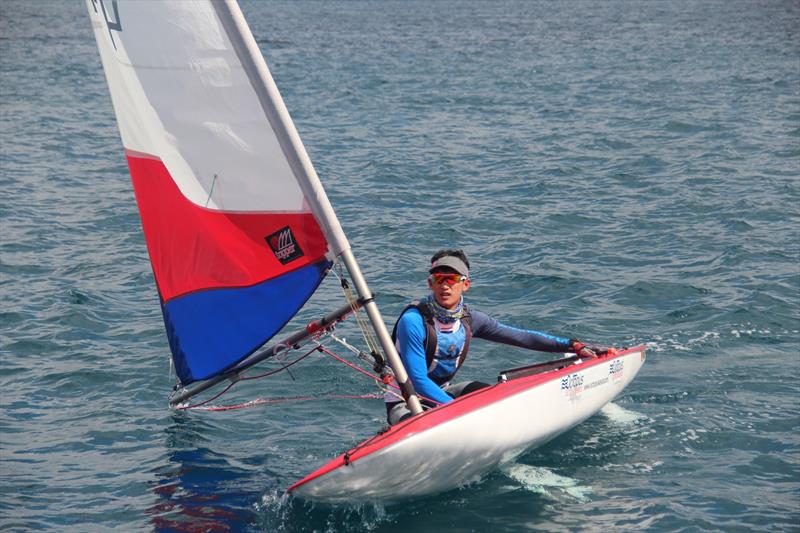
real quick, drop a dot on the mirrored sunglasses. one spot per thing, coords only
(450, 279)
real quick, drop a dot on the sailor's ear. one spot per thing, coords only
(467, 284)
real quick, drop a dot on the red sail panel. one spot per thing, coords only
(192, 248)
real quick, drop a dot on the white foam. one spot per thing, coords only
(633, 468)
(689, 340)
(544, 481)
(274, 504)
(621, 416)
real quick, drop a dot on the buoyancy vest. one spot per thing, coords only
(431, 337)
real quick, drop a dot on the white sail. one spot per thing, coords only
(238, 226)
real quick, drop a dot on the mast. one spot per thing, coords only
(250, 56)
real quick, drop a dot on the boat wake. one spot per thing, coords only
(543, 480)
(620, 416)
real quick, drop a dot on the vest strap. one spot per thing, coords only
(431, 339)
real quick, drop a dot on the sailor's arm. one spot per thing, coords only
(411, 338)
(486, 327)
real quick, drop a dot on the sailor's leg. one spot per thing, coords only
(465, 387)
(396, 413)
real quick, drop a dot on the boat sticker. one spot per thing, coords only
(615, 369)
(572, 386)
(111, 24)
(284, 245)
(596, 383)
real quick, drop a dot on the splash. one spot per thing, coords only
(280, 511)
(621, 416)
(545, 481)
(686, 341)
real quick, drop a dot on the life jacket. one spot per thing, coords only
(431, 338)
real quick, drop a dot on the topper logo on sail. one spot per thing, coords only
(284, 245)
(115, 24)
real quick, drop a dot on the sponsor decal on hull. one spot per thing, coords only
(572, 386)
(615, 370)
(596, 383)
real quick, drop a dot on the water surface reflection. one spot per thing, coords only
(200, 489)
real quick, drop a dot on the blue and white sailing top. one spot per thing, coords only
(429, 380)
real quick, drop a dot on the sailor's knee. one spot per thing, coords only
(398, 413)
(465, 387)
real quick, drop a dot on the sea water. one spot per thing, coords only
(625, 172)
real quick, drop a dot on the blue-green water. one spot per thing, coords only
(623, 171)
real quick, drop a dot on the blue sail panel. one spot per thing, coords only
(210, 331)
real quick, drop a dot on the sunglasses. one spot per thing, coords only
(450, 279)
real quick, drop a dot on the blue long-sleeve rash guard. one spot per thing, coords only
(411, 341)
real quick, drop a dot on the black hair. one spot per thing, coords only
(454, 252)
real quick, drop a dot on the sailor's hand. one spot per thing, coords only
(588, 350)
(601, 351)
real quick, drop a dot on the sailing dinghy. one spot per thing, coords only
(240, 234)
(457, 442)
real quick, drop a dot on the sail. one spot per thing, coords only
(232, 222)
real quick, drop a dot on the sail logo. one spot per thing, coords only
(284, 245)
(114, 24)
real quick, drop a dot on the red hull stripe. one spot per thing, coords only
(193, 248)
(454, 409)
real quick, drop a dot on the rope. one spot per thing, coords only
(244, 378)
(195, 406)
(359, 353)
(366, 330)
(354, 367)
(281, 369)
(385, 387)
(373, 376)
(264, 401)
(267, 401)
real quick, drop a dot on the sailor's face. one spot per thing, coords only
(447, 286)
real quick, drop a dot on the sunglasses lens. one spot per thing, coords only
(450, 279)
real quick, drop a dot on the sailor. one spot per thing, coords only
(433, 336)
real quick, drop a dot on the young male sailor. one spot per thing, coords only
(433, 336)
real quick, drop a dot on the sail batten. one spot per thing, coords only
(256, 69)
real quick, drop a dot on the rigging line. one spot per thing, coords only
(354, 367)
(366, 331)
(343, 342)
(195, 406)
(359, 353)
(383, 384)
(284, 367)
(245, 378)
(373, 376)
(269, 401)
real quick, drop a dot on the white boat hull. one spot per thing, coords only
(458, 442)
